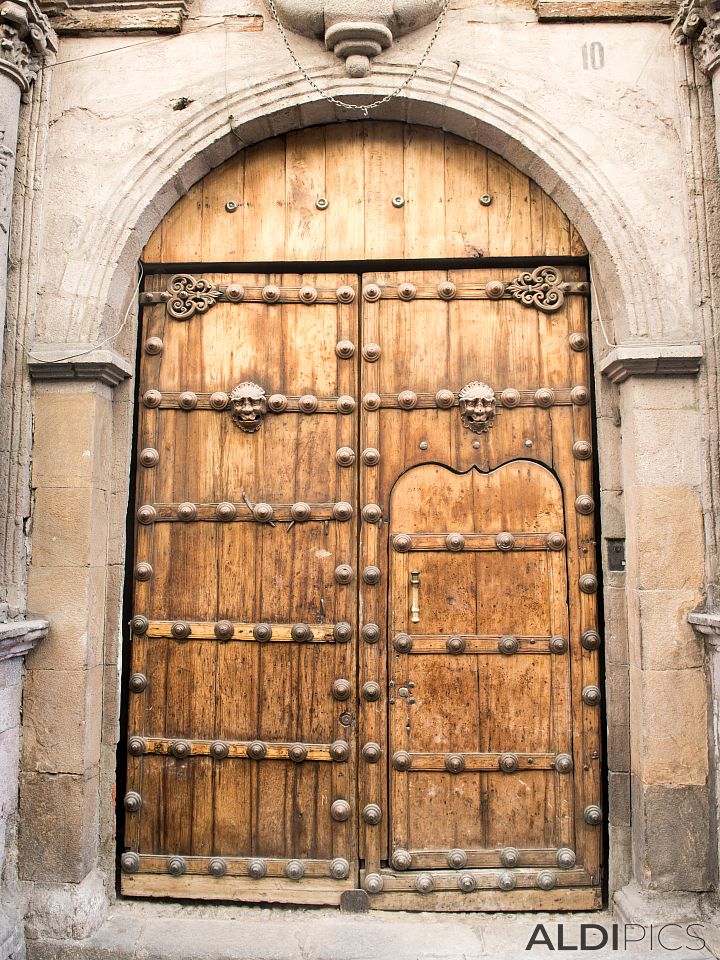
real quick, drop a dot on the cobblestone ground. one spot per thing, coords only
(181, 932)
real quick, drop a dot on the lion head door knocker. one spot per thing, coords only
(477, 406)
(248, 406)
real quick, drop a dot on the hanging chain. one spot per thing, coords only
(354, 106)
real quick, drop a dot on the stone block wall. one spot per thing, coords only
(11, 680)
(669, 702)
(64, 688)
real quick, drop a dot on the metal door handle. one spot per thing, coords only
(415, 602)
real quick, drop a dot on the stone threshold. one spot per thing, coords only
(165, 931)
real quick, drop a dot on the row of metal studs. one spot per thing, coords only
(176, 866)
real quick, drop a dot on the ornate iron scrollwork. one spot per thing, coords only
(541, 288)
(187, 296)
(477, 406)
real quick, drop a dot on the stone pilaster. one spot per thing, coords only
(63, 696)
(26, 38)
(698, 24)
(665, 579)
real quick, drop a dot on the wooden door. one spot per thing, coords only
(364, 647)
(478, 540)
(241, 748)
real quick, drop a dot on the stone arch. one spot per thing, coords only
(635, 304)
(460, 103)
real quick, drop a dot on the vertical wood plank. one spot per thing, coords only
(264, 222)
(345, 187)
(182, 229)
(424, 191)
(222, 231)
(466, 181)
(304, 184)
(384, 179)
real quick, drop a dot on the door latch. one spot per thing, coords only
(415, 601)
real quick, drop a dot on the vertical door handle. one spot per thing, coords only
(415, 600)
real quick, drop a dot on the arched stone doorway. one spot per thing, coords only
(359, 280)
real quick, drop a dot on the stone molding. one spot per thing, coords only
(357, 32)
(77, 18)
(652, 359)
(26, 38)
(697, 25)
(707, 625)
(78, 361)
(18, 637)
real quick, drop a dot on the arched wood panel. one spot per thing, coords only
(358, 168)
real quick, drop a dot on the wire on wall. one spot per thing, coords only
(97, 346)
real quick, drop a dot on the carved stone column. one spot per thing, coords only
(698, 24)
(697, 27)
(25, 39)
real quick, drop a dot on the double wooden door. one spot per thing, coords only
(364, 642)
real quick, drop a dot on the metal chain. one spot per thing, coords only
(354, 106)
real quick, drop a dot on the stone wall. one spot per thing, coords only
(11, 677)
(597, 113)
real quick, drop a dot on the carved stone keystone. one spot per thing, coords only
(357, 32)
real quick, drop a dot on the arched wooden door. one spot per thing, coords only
(364, 626)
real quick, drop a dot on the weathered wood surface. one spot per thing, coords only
(525, 481)
(359, 168)
(625, 10)
(204, 689)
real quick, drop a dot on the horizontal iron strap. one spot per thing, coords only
(281, 512)
(255, 294)
(281, 632)
(527, 398)
(237, 749)
(478, 645)
(218, 402)
(236, 866)
(479, 762)
(448, 880)
(478, 541)
(483, 859)
(170, 400)
(250, 294)
(478, 291)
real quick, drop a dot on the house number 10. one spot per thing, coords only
(593, 55)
